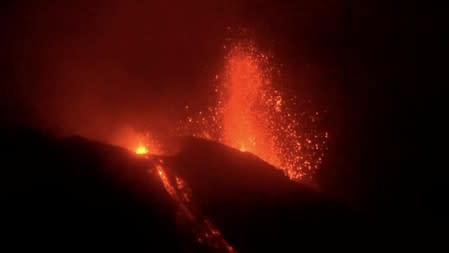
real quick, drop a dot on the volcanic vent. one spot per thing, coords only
(253, 115)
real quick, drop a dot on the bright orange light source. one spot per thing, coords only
(141, 150)
(254, 115)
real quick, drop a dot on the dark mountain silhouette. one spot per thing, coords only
(62, 194)
(75, 193)
(253, 202)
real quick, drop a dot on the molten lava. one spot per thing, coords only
(245, 109)
(141, 150)
(253, 115)
(205, 232)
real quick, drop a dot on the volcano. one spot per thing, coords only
(74, 192)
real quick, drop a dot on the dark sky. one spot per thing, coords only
(84, 61)
(75, 62)
(91, 66)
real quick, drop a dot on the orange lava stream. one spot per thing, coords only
(205, 231)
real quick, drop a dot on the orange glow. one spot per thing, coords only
(141, 150)
(140, 143)
(253, 115)
(256, 117)
(244, 110)
(180, 192)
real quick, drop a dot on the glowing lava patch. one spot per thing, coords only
(141, 150)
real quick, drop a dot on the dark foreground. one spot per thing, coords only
(65, 194)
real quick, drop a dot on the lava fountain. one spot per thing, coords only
(253, 115)
(245, 105)
(258, 118)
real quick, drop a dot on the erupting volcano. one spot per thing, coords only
(214, 126)
(253, 115)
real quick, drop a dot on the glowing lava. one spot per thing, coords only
(255, 116)
(252, 115)
(206, 232)
(141, 150)
(146, 144)
(245, 108)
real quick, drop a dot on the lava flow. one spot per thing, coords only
(252, 115)
(204, 230)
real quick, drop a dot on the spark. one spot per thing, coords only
(253, 115)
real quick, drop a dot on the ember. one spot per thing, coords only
(253, 115)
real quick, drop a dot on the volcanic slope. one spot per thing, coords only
(255, 206)
(59, 193)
